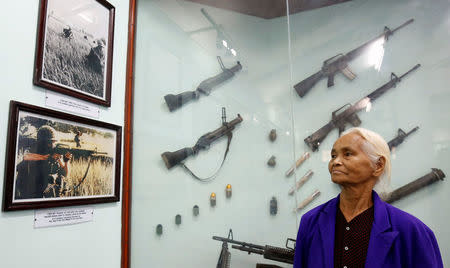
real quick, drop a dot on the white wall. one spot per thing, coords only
(92, 244)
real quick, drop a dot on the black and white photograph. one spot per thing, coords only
(74, 51)
(57, 159)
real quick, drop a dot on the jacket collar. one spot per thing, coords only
(381, 236)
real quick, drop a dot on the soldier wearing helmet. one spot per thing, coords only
(42, 171)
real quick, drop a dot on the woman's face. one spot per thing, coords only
(349, 164)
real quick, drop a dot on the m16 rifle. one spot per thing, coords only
(172, 159)
(401, 135)
(430, 178)
(339, 63)
(349, 115)
(285, 255)
(176, 101)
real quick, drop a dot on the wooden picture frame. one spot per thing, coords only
(56, 159)
(75, 48)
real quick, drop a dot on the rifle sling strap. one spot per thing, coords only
(210, 178)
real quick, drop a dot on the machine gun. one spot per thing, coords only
(225, 255)
(176, 101)
(401, 135)
(339, 63)
(430, 178)
(285, 255)
(172, 159)
(349, 115)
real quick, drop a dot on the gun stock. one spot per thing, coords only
(176, 101)
(172, 159)
(303, 87)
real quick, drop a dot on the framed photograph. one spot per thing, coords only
(56, 159)
(75, 48)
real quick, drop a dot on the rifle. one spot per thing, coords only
(225, 255)
(172, 159)
(430, 178)
(339, 63)
(176, 101)
(401, 135)
(349, 115)
(285, 255)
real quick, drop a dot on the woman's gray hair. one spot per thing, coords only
(375, 147)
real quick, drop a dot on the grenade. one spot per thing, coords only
(195, 210)
(272, 161)
(159, 229)
(273, 206)
(273, 135)
(178, 219)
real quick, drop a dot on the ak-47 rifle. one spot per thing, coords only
(339, 63)
(176, 101)
(430, 178)
(401, 135)
(285, 255)
(349, 115)
(172, 159)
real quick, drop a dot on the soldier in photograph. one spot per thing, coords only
(96, 57)
(42, 171)
(77, 139)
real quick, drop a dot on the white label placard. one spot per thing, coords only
(71, 105)
(56, 217)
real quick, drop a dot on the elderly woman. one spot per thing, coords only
(358, 229)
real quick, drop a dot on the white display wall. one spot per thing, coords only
(176, 51)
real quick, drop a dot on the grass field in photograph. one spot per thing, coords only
(98, 181)
(65, 60)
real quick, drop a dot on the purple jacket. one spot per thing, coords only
(397, 239)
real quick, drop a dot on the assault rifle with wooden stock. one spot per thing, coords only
(339, 63)
(349, 115)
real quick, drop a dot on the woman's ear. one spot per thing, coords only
(379, 166)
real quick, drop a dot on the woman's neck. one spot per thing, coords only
(354, 201)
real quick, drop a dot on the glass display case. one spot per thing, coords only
(201, 68)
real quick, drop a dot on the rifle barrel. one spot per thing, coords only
(403, 25)
(231, 241)
(430, 178)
